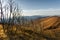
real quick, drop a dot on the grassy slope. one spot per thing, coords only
(33, 31)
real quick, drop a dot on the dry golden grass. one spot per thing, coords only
(46, 29)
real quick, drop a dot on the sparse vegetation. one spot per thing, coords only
(32, 32)
(17, 27)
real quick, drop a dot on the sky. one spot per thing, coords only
(39, 4)
(39, 7)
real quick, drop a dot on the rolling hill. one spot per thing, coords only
(49, 27)
(38, 29)
(48, 22)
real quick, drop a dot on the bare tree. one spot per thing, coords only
(1, 9)
(11, 2)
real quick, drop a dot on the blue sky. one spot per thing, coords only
(39, 4)
(39, 7)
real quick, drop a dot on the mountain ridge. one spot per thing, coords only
(48, 22)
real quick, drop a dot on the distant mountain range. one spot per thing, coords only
(34, 17)
(27, 18)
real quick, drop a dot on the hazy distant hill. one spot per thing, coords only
(34, 17)
(25, 18)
